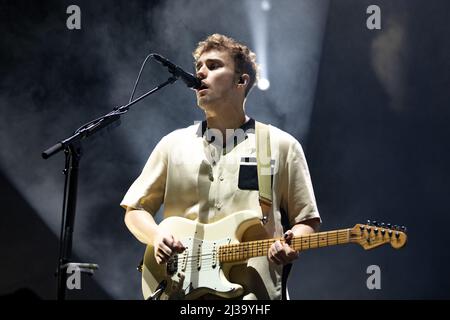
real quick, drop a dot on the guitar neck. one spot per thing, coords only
(245, 250)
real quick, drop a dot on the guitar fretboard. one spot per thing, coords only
(245, 250)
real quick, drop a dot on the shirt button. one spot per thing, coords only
(218, 205)
(221, 178)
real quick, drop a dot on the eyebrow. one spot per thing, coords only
(199, 63)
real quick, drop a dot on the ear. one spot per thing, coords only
(244, 80)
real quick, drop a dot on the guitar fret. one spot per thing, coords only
(250, 249)
(322, 239)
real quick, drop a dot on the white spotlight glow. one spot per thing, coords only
(263, 84)
(265, 5)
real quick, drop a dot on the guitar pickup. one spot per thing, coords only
(184, 259)
(199, 256)
(214, 256)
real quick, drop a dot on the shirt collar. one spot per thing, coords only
(249, 125)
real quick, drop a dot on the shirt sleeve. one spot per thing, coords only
(298, 198)
(147, 191)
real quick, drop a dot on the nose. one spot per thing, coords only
(202, 73)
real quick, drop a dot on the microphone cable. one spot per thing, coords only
(138, 77)
(131, 97)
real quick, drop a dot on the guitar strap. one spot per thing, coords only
(264, 162)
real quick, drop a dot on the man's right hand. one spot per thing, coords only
(165, 246)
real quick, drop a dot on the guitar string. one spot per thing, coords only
(312, 240)
(267, 242)
(232, 255)
(207, 265)
(252, 247)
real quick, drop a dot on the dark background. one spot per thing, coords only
(370, 107)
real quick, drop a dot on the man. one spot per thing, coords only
(202, 174)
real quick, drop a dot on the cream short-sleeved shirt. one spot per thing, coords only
(194, 178)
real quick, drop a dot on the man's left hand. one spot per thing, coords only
(281, 252)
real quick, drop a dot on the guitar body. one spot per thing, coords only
(197, 270)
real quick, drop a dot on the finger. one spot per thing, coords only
(282, 255)
(168, 241)
(290, 250)
(278, 246)
(285, 255)
(282, 259)
(160, 259)
(273, 258)
(292, 255)
(178, 246)
(273, 254)
(174, 244)
(164, 249)
(276, 261)
(288, 235)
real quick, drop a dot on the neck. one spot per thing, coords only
(226, 118)
(245, 250)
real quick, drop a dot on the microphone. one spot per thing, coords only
(189, 79)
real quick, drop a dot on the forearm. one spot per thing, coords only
(142, 225)
(306, 227)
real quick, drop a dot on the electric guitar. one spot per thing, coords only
(212, 249)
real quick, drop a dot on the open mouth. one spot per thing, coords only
(202, 87)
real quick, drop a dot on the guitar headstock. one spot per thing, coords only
(373, 234)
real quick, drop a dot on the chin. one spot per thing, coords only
(202, 103)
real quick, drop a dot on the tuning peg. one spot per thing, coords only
(382, 224)
(403, 228)
(375, 223)
(369, 222)
(389, 226)
(396, 227)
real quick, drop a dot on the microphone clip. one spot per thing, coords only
(189, 79)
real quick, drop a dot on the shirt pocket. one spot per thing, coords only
(248, 174)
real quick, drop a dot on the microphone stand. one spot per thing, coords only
(73, 151)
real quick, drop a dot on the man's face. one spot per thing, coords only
(216, 70)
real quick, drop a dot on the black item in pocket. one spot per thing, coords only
(248, 177)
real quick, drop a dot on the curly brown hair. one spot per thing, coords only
(244, 58)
